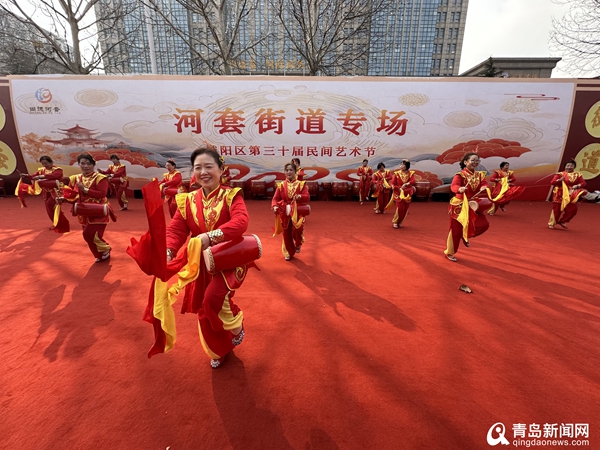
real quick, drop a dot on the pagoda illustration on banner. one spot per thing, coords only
(78, 137)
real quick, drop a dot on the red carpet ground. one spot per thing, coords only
(363, 342)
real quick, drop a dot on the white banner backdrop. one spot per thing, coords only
(331, 124)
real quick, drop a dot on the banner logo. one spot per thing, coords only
(43, 95)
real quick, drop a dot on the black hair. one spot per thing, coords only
(46, 158)
(290, 164)
(115, 157)
(206, 151)
(406, 163)
(298, 160)
(87, 156)
(503, 163)
(380, 165)
(466, 157)
(572, 161)
(172, 162)
(366, 160)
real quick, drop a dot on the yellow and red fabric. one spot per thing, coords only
(208, 296)
(565, 197)
(118, 182)
(171, 180)
(365, 176)
(504, 190)
(464, 221)
(291, 226)
(401, 196)
(382, 181)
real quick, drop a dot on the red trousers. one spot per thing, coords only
(401, 211)
(119, 191)
(478, 224)
(217, 316)
(382, 200)
(565, 216)
(172, 204)
(63, 225)
(93, 235)
(292, 239)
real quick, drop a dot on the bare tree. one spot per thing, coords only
(69, 29)
(577, 36)
(333, 37)
(211, 31)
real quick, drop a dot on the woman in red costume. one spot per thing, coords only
(49, 172)
(91, 188)
(300, 174)
(365, 175)
(465, 222)
(117, 177)
(567, 191)
(504, 191)
(213, 214)
(288, 195)
(381, 180)
(172, 181)
(403, 187)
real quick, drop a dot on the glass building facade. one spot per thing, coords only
(412, 38)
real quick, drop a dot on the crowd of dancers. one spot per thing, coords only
(210, 216)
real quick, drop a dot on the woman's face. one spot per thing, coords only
(115, 161)
(365, 163)
(506, 167)
(403, 167)
(47, 164)
(382, 169)
(86, 166)
(290, 173)
(473, 162)
(207, 172)
(569, 167)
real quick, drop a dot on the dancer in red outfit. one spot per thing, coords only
(49, 172)
(504, 191)
(170, 186)
(289, 194)
(90, 188)
(300, 174)
(567, 191)
(212, 214)
(117, 177)
(466, 222)
(381, 180)
(403, 188)
(365, 174)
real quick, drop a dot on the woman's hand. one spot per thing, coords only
(60, 200)
(275, 209)
(80, 187)
(205, 240)
(462, 189)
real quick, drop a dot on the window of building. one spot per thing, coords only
(450, 64)
(444, 17)
(453, 48)
(445, 64)
(451, 17)
(457, 17)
